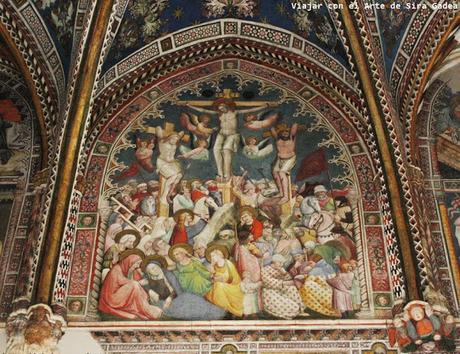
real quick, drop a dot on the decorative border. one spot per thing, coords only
(321, 337)
(217, 31)
(97, 165)
(436, 188)
(61, 283)
(16, 238)
(391, 238)
(42, 41)
(419, 52)
(115, 96)
(35, 64)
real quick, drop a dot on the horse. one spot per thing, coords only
(202, 206)
(322, 222)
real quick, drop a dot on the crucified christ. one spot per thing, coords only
(228, 137)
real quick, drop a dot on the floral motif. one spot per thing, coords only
(61, 18)
(142, 17)
(238, 8)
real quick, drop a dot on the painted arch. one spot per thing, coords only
(326, 126)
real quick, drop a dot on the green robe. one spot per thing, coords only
(328, 206)
(194, 277)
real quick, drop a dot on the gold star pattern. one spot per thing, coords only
(281, 8)
(178, 13)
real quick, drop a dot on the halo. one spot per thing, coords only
(135, 251)
(249, 210)
(216, 246)
(226, 101)
(184, 246)
(160, 260)
(133, 232)
(178, 213)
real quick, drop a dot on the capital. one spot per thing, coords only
(35, 330)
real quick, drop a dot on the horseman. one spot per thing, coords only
(319, 201)
(325, 201)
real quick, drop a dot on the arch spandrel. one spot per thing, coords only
(113, 151)
(435, 130)
(20, 189)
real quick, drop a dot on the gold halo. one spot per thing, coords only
(249, 210)
(160, 260)
(215, 246)
(184, 246)
(135, 251)
(178, 213)
(133, 232)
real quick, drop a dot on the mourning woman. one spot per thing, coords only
(124, 240)
(192, 275)
(165, 292)
(225, 292)
(122, 294)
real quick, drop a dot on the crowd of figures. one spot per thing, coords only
(229, 246)
(245, 259)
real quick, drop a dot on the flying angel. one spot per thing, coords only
(201, 136)
(262, 121)
(198, 126)
(200, 151)
(256, 150)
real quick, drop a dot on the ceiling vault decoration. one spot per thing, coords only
(238, 176)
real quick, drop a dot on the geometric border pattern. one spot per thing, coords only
(396, 272)
(217, 30)
(97, 164)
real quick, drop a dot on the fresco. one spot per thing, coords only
(143, 23)
(13, 158)
(453, 207)
(393, 23)
(6, 203)
(13, 136)
(228, 200)
(447, 130)
(59, 17)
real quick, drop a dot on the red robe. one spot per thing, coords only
(137, 198)
(179, 235)
(197, 195)
(256, 229)
(125, 297)
(424, 328)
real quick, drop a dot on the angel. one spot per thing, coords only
(143, 155)
(198, 126)
(256, 150)
(264, 120)
(200, 152)
(227, 138)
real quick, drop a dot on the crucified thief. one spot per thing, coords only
(285, 159)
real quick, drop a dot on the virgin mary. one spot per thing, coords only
(122, 295)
